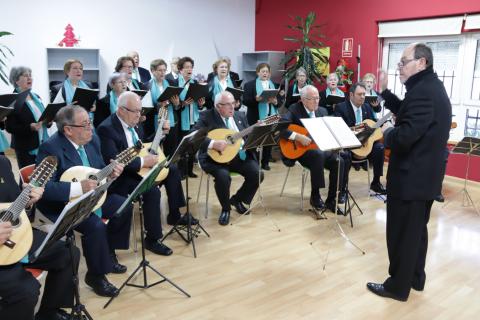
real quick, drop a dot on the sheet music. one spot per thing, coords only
(320, 133)
(343, 134)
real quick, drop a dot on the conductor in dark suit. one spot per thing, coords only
(75, 145)
(225, 116)
(415, 173)
(353, 112)
(315, 160)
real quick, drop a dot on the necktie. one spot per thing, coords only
(312, 114)
(83, 156)
(226, 123)
(358, 116)
(134, 135)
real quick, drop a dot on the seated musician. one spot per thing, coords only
(225, 116)
(75, 145)
(332, 89)
(120, 131)
(19, 290)
(353, 112)
(315, 159)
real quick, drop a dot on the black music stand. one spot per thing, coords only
(263, 136)
(186, 149)
(72, 215)
(469, 146)
(136, 196)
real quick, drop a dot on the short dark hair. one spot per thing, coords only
(156, 63)
(66, 116)
(120, 62)
(181, 62)
(355, 86)
(262, 65)
(421, 50)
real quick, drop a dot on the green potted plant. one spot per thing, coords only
(308, 55)
(3, 55)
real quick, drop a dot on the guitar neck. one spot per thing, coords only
(16, 208)
(382, 120)
(105, 172)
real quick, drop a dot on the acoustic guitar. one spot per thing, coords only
(154, 147)
(234, 139)
(292, 149)
(17, 246)
(367, 133)
(79, 173)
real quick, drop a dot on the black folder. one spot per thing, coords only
(141, 93)
(85, 97)
(370, 99)
(268, 93)
(146, 110)
(237, 83)
(333, 99)
(7, 100)
(197, 91)
(237, 93)
(5, 111)
(169, 92)
(50, 112)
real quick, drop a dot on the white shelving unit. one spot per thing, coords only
(250, 60)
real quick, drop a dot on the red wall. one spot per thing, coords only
(355, 19)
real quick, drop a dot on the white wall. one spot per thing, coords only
(154, 28)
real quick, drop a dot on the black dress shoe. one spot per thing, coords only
(53, 315)
(192, 175)
(317, 203)
(364, 166)
(158, 248)
(224, 217)
(100, 285)
(356, 166)
(378, 188)
(440, 198)
(182, 221)
(266, 167)
(342, 197)
(239, 206)
(330, 205)
(117, 267)
(379, 290)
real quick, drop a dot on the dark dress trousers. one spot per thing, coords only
(315, 160)
(414, 177)
(19, 290)
(98, 239)
(377, 156)
(248, 168)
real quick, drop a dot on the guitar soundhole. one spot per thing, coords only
(6, 216)
(92, 177)
(230, 140)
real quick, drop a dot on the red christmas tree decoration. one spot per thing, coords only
(69, 39)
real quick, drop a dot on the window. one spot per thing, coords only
(475, 92)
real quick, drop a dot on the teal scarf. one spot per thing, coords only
(264, 109)
(339, 92)
(70, 90)
(217, 88)
(155, 93)
(135, 84)
(113, 102)
(3, 142)
(185, 114)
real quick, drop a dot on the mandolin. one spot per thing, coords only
(15, 248)
(154, 147)
(79, 173)
(234, 139)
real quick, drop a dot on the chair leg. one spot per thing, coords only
(285, 181)
(199, 186)
(134, 232)
(368, 178)
(304, 181)
(206, 196)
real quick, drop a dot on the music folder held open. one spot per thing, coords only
(237, 93)
(169, 92)
(331, 133)
(50, 112)
(85, 97)
(268, 93)
(197, 91)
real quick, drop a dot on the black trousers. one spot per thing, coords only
(248, 168)
(24, 158)
(407, 242)
(20, 290)
(186, 167)
(174, 189)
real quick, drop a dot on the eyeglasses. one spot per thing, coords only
(313, 98)
(133, 111)
(403, 63)
(127, 67)
(86, 126)
(227, 104)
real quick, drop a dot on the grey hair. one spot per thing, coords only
(220, 95)
(16, 73)
(66, 116)
(300, 70)
(421, 50)
(124, 97)
(336, 75)
(114, 77)
(303, 91)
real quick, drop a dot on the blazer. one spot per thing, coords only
(57, 193)
(113, 142)
(250, 92)
(169, 77)
(345, 111)
(9, 189)
(418, 140)
(297, 112)
(233, 75)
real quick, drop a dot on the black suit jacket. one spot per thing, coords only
(250, 92)
(345, 111)
(113, 142)
(297, 112)
(418, 140)
(211, 119)
(9, 189)
(233, 75)
(169, 77)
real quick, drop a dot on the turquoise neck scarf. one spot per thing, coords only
(43, 133)
(264, 109)
(3, 142)
(185, 114)
(217, 88)
(113, 102)
(135, 84)
(155, 93)
(338, 92)
(70, 90)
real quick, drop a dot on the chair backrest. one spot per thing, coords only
(26, 172)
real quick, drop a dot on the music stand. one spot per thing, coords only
(143, 186)
(186, 149)
(72, 215)
(262, 136)
(468, 146)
